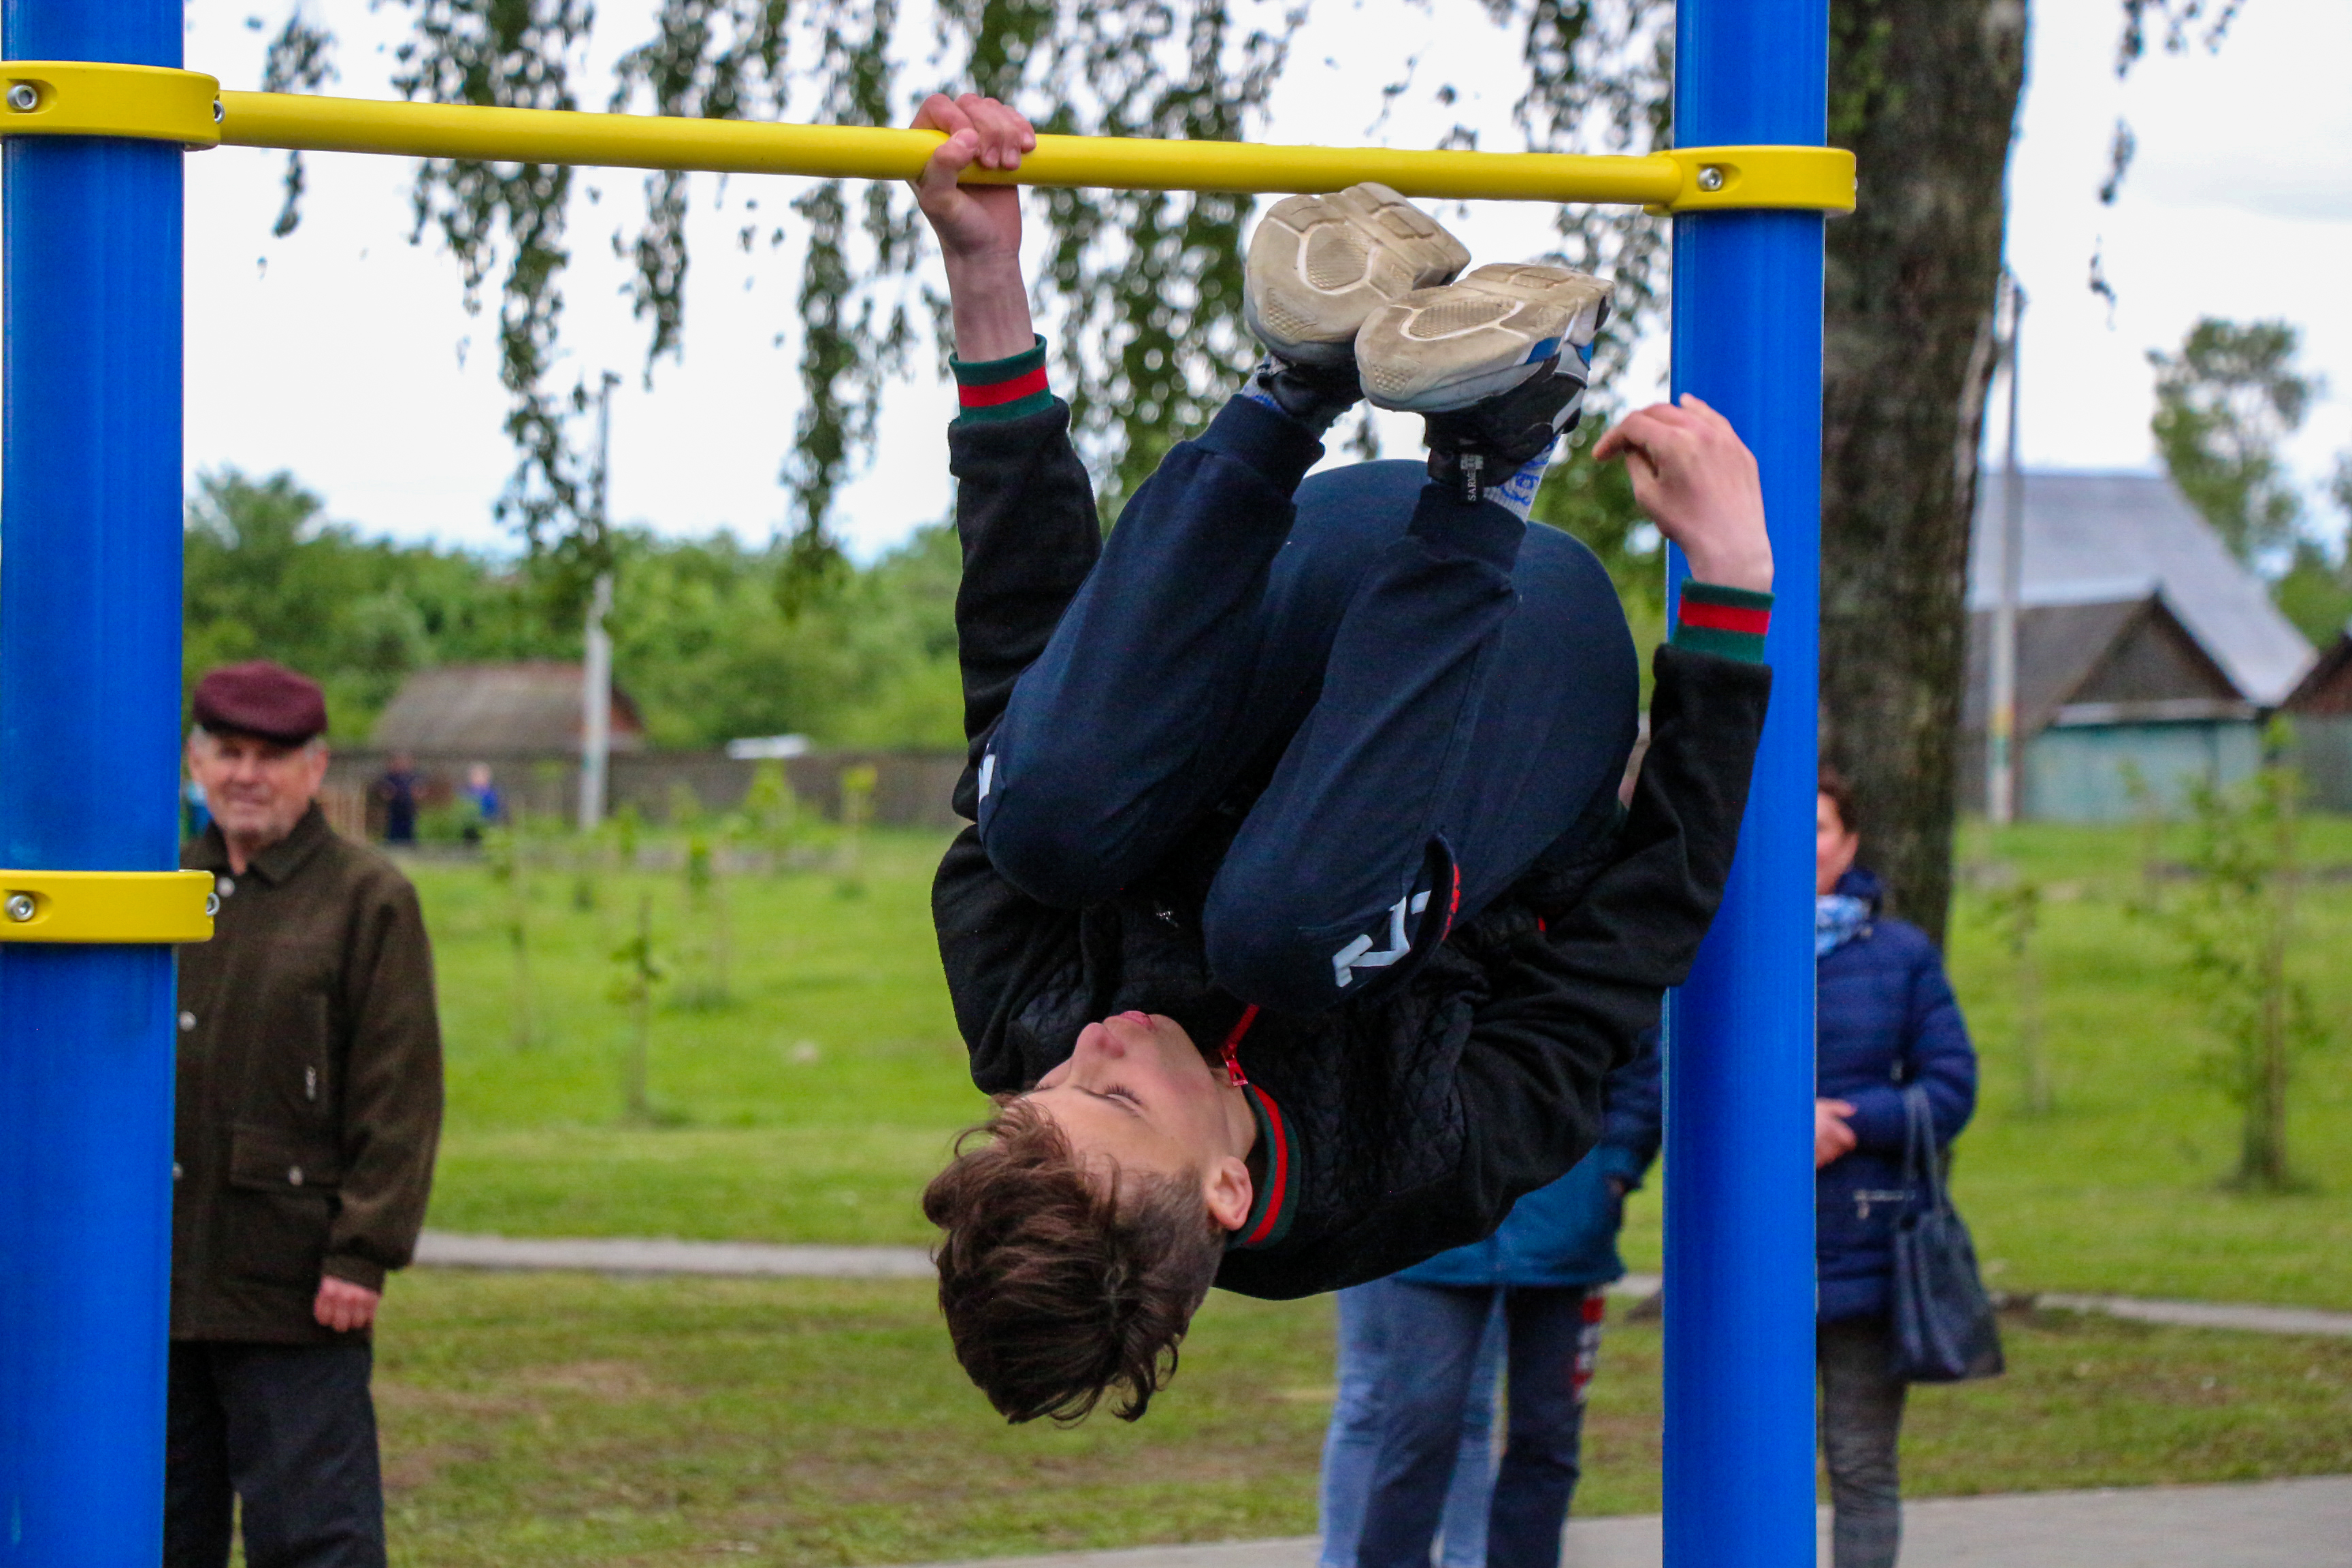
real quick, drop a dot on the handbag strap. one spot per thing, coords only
(1919, 1154)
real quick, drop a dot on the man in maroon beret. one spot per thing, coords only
(309, 1106)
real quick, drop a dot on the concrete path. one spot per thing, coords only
(619, 1255)
(2262, 1524)
(2207, 1315)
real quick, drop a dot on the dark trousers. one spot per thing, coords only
(1862, 1419)
(290, 1432)
(1555, 1333)
(1415, 696)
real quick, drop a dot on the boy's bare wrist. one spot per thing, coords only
(1750, 571)
(990, 303)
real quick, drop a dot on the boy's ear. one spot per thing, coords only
(1229, 1191)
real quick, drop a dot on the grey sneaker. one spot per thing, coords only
(1441, 349)
(1319, 266)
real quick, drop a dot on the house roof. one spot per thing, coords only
(2327, 687)
(2112, 538)
(2115, 661)
(497, 710)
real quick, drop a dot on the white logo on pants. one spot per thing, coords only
(1358, 955)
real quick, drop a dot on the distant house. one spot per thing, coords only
(497, 711)
(2142, 644)
(2320, 708)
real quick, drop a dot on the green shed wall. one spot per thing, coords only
(2077, 773)
(2322, 753)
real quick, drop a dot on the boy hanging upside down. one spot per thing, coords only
(1301, 924)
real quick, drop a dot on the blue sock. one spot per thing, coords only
(1516, 494)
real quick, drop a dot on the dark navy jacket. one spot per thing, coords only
(1566, 1234)
(1887, 1018)
(1392, 1128)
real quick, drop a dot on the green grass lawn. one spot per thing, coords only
(813, 1105)
(567, 1419)
(563, 1420)
(809, 1106)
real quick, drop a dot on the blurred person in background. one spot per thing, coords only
(1886, 1020)
(1409, 1445)
(395, 791)
(481, 794)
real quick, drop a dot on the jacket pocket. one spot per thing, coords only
(281, 1205)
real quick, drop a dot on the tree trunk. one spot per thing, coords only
(1924, 92)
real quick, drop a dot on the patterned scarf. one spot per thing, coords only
(1838, 919)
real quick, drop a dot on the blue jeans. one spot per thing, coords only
(1416, 1400)
(1405, 699)
(1375, 1358)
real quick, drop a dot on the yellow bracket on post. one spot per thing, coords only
(106, 906)
(75, 98)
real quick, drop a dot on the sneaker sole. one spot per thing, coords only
(1439, 349)
(1320, 266)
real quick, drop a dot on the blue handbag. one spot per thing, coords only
(1944, 1327)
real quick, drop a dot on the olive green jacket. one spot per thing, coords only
(309, 1087)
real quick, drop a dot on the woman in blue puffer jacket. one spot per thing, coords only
(1887, 1019)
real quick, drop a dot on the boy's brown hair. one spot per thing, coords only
(1058, 1289)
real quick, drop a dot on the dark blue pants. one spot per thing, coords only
(1554, 1336)
(1415, 696)
(288, 1430)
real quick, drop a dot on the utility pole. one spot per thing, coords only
(596, 662)
(2000, 752)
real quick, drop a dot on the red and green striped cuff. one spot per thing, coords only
(1730, 623)
(1002, 388)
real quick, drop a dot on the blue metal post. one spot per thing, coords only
(1740, 1190)
(89, 702)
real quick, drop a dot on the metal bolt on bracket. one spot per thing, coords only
(24, 98)
(20, 907)
(1711, 178)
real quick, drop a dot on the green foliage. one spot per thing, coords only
(2014, 910)
(700, 640)
(2234, 922)
(2315, 593)
(636, 972)
(700, 643)
(2223, 403)
(506, 855)
(267, 577)
(1141, 291)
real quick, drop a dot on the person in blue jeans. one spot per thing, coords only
(1419, 1354)
(1887, 1019)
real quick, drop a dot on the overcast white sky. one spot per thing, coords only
(344, 355)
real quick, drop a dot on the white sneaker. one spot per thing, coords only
(1319, 266)
(1440, 349)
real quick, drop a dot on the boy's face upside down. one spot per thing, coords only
(1137, 1097)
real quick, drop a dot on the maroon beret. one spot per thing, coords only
(262, 698)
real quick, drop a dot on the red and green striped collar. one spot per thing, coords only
(1003, 388)
(1272, 1209)
(1730, 623)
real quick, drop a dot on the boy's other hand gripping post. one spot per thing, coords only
(1696, 480)
(978, 226)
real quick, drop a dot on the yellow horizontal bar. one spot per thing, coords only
(106, 906)
(840, 151)
(83, 98)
